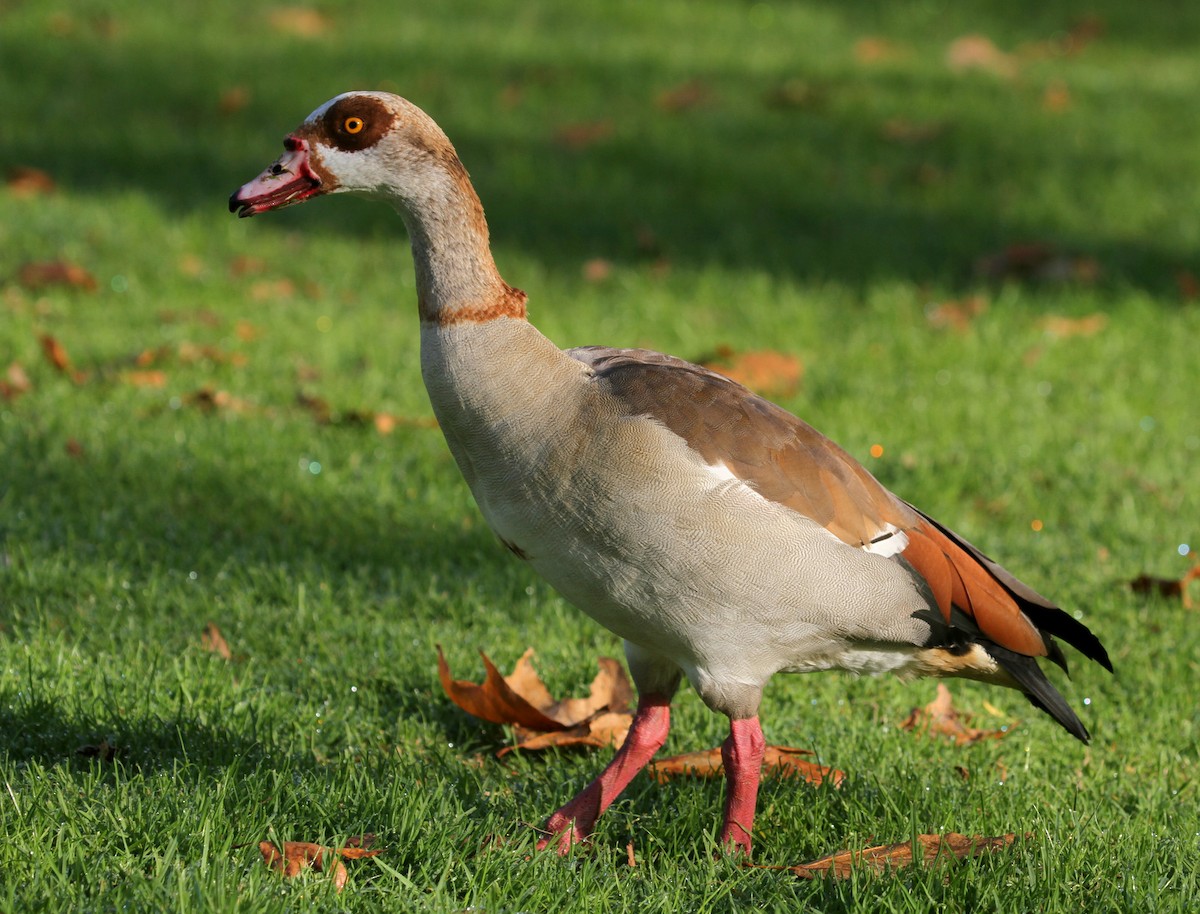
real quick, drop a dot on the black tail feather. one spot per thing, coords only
(1047, 616)
(1037, 688)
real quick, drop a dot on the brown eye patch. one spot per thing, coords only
(356, 122)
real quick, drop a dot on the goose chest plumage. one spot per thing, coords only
(722, 538)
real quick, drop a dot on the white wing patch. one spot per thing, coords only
(889, 541)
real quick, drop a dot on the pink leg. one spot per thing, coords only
(742, 754)
(574, 822)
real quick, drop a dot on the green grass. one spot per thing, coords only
(334, 558)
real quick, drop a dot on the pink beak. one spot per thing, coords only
(290, 180)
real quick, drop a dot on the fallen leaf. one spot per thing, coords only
(597, 269)
(765, 371)
(214, 642)
(495, 700)
(778, 761)
(539, 721)
(1039, 262)
(73, 448)
(191, 353)
(940, 717)
(1057, 97)
(629, 859)
(246, 331)
(42, 274)
(301, 21)
(103, 751)
(210, 400)
(234, 99)
(154, 378)
(608, 728)
(272, 290)
(978, 52)
(15, 382)
(1083, 32)
(1189, 285)
(873, 49)
(957, 314)
(246, 265)
(297, 856)
(24, 181)
(1176, 589)
(1057, 326)
(56, 353)
(692, 94)
(923, 849)
(583, 134)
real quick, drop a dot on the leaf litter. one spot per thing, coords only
(941, 718)
(522, 701)
(297, 856)
(882, 858)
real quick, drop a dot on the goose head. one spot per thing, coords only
(371, 143)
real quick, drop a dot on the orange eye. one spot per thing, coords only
(353, 124)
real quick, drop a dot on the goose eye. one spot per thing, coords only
(353, 124)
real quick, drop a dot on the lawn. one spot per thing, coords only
(976, 227)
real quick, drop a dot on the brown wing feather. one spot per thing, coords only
(783, 458)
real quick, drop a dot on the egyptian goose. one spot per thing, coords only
(721, 537)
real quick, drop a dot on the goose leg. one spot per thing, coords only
(742, 755)
(575, 821)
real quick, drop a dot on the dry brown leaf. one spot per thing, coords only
(24, 181)
(56, 353)
(301, 21)
(15, 382)
(583, 134)
(522, 700)
(606, 728)
(778, 761)
(214, 642)
(1057, 97)
(1176, 589)
(104, 751)
(211, 400)
(1189, 285)
(494, 700)
(246, 331)
(297, 856)
(41, 274)
(873, 49)
(246, 265)
(1058, 326)
(884, 857)
(234, 99)
(152, 378)
(1038, 262)
(1083, 32)
(940, 717)
(765, 371)
(272, 290)
(957, 314)
(597, 269)
(692, 94)
(978, 52)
